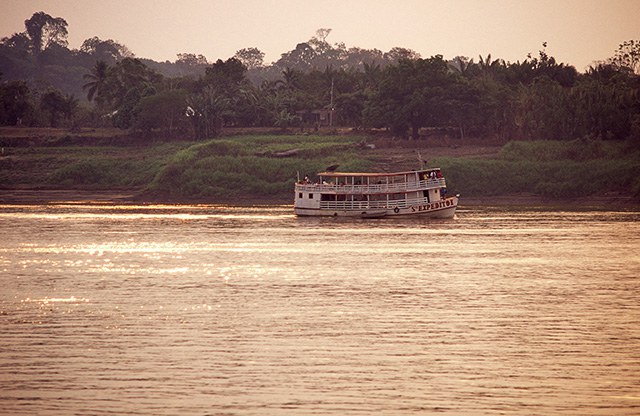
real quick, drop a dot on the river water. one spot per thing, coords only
(207, 310)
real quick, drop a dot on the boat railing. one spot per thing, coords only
(356, 205)
(380, 188)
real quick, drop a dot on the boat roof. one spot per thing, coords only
(373, 174)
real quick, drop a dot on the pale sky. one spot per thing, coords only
(578, 32)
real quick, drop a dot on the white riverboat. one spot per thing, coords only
(376, 195)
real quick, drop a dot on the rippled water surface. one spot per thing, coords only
(205, 310)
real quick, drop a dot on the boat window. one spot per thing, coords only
(300, 195)
(310, 196)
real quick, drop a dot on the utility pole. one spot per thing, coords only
(331, 107)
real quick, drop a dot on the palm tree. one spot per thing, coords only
(97, 81)
(489, 67)
(207, 111)
(462, 65)
(292, 78)
(372, 74)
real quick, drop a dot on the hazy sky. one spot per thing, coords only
(578, 32)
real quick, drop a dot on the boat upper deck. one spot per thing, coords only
(374, 183)
(382, 188)
(405, 174)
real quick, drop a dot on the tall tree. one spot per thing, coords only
(128, 81)
(44, 31)
(544, 112)
(164, 110)
(226, 76)
(397, 54)
(15, 102)
(301, 58)
(130, 77)
(628, 56)
(462, 65)
(291, 79)
(606, 102)
(108, 50)
(207, 110)
(411, 95)
(191, 59)
(97, 80)
(319, 41)
(489, 68)
(18, 42)
(251, 58)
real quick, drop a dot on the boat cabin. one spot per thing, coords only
(347, 191)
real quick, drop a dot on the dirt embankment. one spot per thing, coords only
(391, 158)
(387, 155)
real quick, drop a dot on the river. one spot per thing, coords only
(216, 310)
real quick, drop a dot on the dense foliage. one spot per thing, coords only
(44, 83)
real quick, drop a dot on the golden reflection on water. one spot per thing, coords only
(215, 310)
(135, 211)
(47, 300)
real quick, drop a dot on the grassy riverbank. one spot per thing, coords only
(552, 170)
(263, 168)
(250, 167)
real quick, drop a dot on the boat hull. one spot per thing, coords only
(445, 208)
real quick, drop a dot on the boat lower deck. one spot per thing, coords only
(444, 208)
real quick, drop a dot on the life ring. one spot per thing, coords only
(396, 210)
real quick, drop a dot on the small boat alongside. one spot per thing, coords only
(376, 195)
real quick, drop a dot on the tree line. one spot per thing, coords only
(44, 83)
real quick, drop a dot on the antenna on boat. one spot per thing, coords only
(298, 176)
(423, 162)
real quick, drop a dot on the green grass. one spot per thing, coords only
(576, 150)
(549, 169)
(246, 167)
(85, 167)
